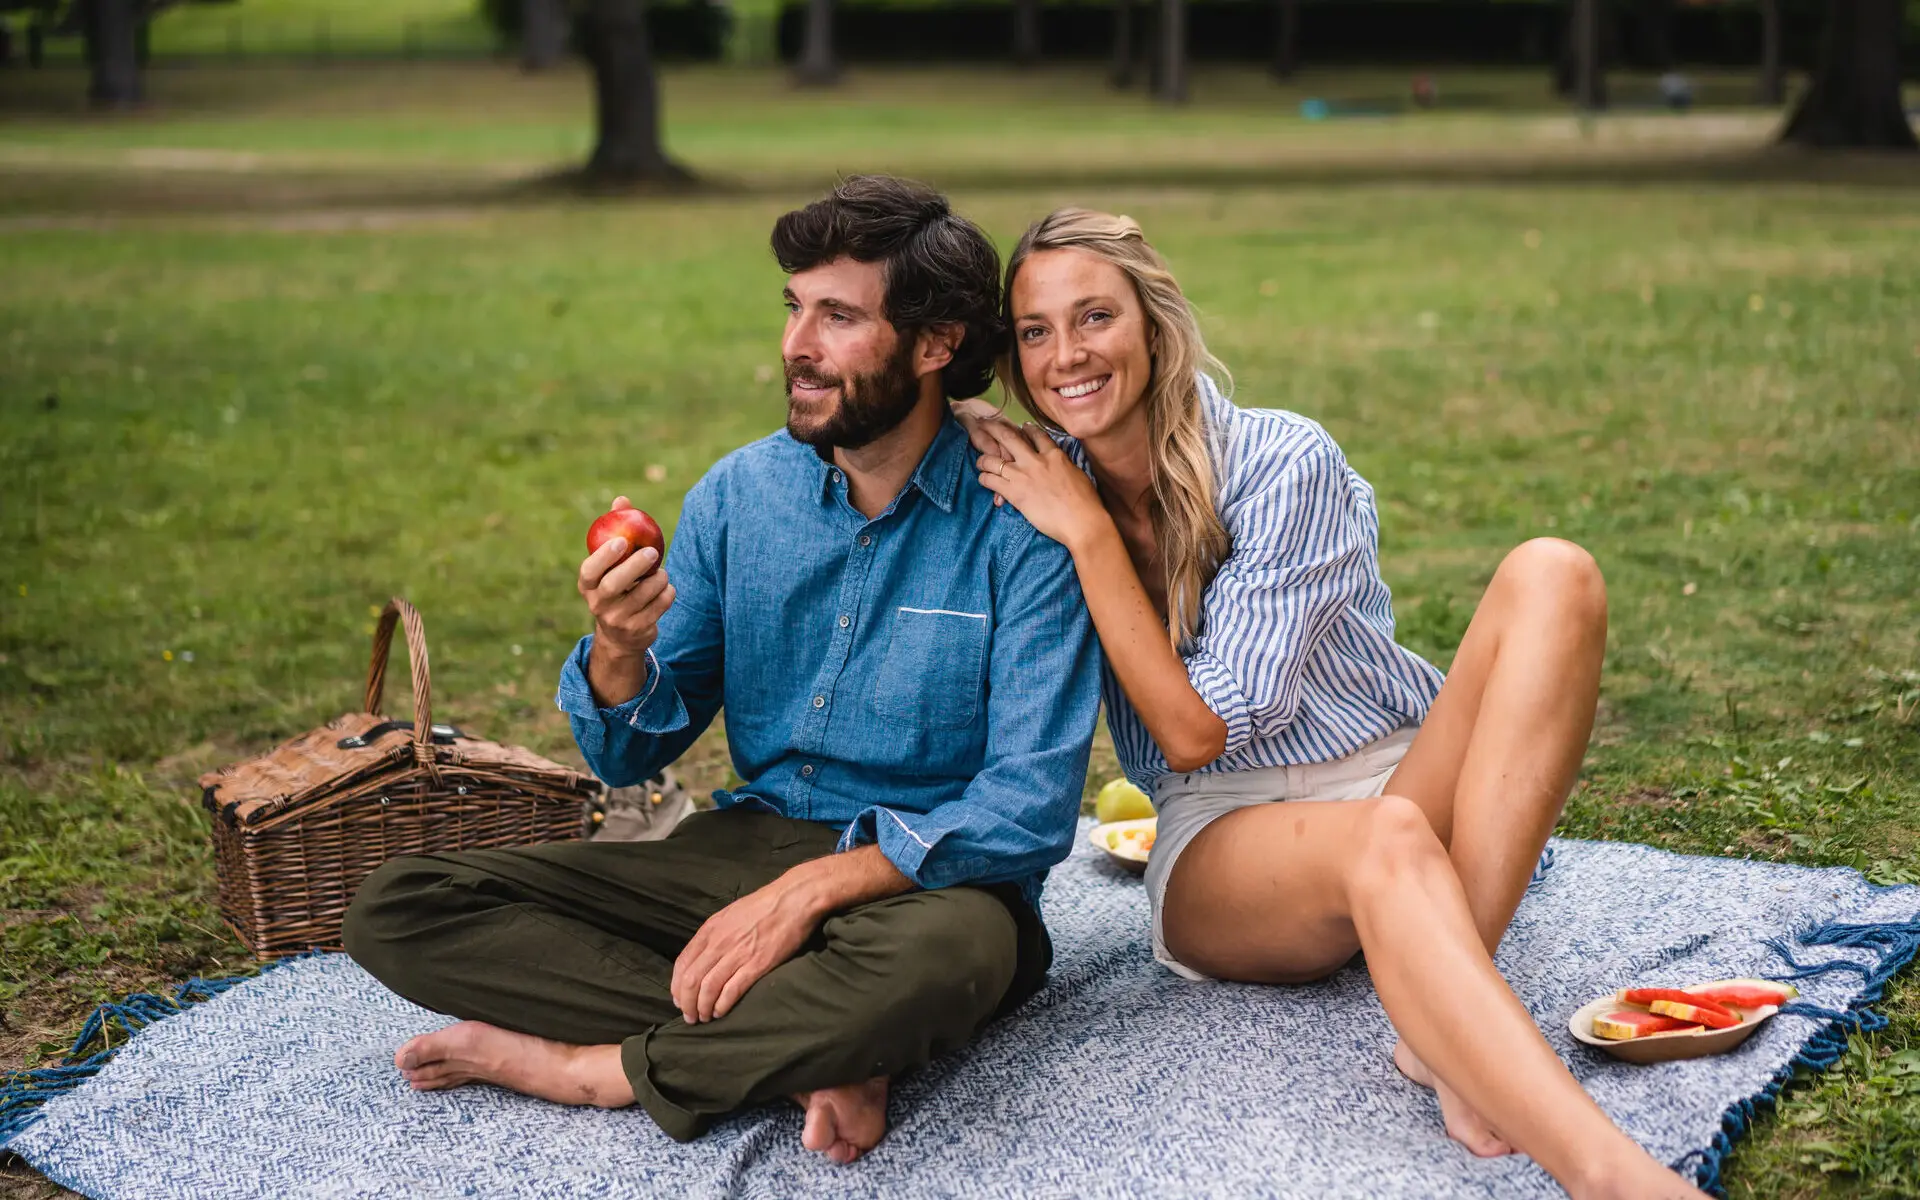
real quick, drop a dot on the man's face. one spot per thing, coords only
(850, 375)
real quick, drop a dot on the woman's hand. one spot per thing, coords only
(975, 416)
(1028, 471)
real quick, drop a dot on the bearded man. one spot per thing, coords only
(910, 680)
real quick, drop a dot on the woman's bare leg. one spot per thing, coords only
(1492, 764)
(1286, 893)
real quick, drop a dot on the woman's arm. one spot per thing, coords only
(1134, 639)
(1032, 474)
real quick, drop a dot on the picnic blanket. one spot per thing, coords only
(1117, 1080)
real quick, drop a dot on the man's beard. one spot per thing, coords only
(871, 405)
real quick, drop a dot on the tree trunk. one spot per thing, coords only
(1589, 86)
(1026, 32)
(818, 66)
(112, 30)
(1855, 99)
(1172, 84)
(1285, 53)
(626, 96)
(1773, 83)
(543, 33)
(1566, 67)
(1120, 71)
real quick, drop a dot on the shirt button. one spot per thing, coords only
(819, 701)
(845, 620)
(807, 770)
(837, 477)
(865, 540)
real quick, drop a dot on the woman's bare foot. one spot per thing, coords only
(475, 1052)
(1464, 1125)
(1620, 1170)
(1630, 1173)
(845, 1122)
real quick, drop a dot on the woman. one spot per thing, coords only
(1229, 558)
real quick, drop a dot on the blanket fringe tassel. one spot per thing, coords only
(1891, 947)
(23, 1092)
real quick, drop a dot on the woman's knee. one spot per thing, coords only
(1397, 843)
(1560, 573)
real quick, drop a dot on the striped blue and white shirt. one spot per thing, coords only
(1295, 650)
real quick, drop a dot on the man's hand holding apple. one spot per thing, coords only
(627, 594)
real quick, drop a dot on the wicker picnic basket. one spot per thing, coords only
(297, 829)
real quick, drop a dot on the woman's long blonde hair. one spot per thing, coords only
(1192, 541)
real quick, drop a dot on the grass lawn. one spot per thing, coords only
(312, 29)
(300, 340)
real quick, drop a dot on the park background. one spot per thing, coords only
(305, 303)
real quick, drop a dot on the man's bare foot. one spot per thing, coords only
(1464, 1125)
(845, 1122)
(475, 1052)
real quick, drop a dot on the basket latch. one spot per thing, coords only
(442, 734)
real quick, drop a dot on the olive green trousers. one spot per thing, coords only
(576, 941)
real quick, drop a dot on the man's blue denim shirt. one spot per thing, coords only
(927, 680)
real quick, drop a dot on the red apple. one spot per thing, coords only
(630, 523)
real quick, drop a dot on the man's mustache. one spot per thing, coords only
(811, 378)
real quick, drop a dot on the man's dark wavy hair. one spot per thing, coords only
(938, 266)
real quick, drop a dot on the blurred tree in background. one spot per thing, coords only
(1855, 99)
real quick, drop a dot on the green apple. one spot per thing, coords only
(1121, 801)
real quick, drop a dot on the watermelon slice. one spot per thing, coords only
(1632, 1023)
(1710, 1015)
(1645, 997)
(1744, 993)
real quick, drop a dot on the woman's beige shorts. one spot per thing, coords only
(1186, 803)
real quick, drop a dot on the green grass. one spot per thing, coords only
(302, 340)
(323, 27)
(313, 28)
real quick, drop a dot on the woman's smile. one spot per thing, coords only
(1084, 387)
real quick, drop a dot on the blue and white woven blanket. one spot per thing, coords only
(1119, 1080)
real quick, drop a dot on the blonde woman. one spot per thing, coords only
(1229, 558)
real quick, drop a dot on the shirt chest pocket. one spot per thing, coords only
(933, 670)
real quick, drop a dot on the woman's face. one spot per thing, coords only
(1083, 341)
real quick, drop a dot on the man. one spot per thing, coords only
(910, 680)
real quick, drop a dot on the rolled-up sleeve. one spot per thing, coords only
(1018, 815)
(1299, 558)
(632, 741)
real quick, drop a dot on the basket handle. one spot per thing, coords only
(399, 610)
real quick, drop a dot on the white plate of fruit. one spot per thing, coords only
(1657, 1024)
(1126, 824)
